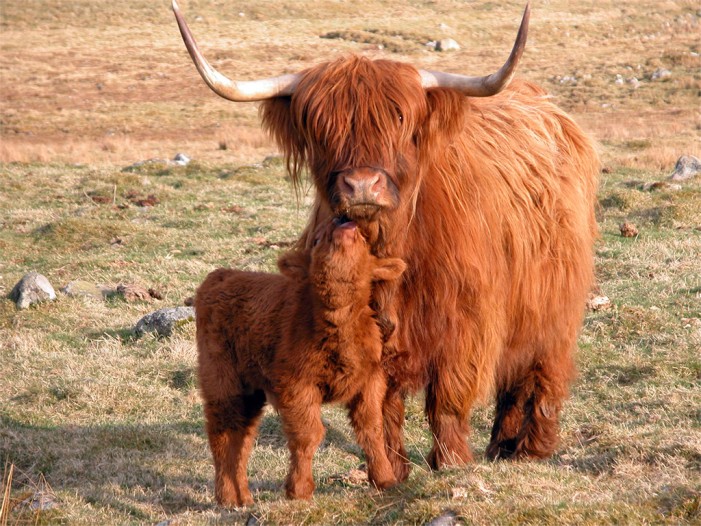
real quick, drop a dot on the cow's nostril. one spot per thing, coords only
(350, 183)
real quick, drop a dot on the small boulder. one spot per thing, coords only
(86, 289)
(32, 288)
(447, 518)
(687, 167)
(598, 302)
(628, 229)
(163, 321)
(661, 74)
(447, 44)
(181, 159)
(132, 293)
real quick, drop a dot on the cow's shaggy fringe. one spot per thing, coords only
(499, 251)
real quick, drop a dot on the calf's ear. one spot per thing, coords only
(294, 264)
(388, 269)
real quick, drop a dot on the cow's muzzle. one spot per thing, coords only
(364, 191)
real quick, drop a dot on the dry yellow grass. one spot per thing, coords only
(94, 83)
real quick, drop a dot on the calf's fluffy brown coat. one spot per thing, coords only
(297, 340)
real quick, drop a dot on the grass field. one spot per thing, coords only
(110, 426)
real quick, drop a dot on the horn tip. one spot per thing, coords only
(175, 5)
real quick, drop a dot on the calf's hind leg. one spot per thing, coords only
(232, 425)
(393, 420)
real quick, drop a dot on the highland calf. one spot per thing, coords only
(296, 340)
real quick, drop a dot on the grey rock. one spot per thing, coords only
(153, 163)
(163, 321)
(661, 74)
(181, 159)
(32, 288)
(447, 44)
(687, 167)
(447, 518)
(40, 500)
(86, 289)
(660, 185)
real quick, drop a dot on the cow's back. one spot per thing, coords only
(500, 248)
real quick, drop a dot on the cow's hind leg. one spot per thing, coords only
(232, 425)
(526, 423)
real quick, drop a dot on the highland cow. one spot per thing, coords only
(486, 190)
(296, 340)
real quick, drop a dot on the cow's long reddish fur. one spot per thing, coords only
(298, 339)
(493, 213)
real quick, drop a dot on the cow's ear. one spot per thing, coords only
(446, 110)
(294, 264)
(279, 122)
(388, 269)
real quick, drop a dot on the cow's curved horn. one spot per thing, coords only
(482, 86)
(238, 91)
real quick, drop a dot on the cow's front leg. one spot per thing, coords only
(448, 412)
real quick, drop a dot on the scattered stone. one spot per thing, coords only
(181, 159)
(459, 493)
(447, 44)
(619, 80)
(628, 229)
(189, 301)
(167, 522)
(356, 476)
(155, 294)
(595, 302)
(252, 520)
(132, 293)
(661, 74)
(163, 321)
(40, 501)
(86, 289)
(634, 83)
(687, 167)
(138, 199)
(606, 170)
(151, 163)
(660, 185)
(233, 209)
(32, 288)
(447, 518)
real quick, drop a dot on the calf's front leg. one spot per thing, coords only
(300, 411)
(365, 412)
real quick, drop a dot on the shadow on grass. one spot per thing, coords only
(137, 469)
